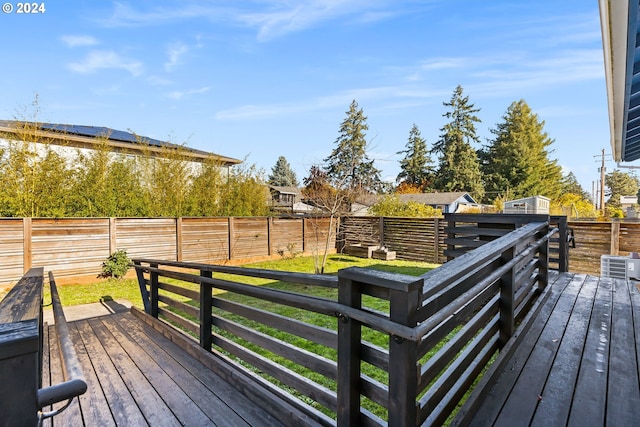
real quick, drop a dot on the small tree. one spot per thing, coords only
(116, 265)
(282, 175)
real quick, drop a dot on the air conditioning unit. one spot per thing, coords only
(633, 268)
(619, 267)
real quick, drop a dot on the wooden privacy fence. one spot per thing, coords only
(433, 339)
(75, 247)
(424, 239)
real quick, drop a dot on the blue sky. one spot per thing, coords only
(266, 78)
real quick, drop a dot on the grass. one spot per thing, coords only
(75, 294)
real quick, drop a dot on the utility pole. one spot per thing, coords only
(602, 185)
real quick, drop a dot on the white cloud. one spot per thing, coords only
(273, 18)
(182, 94)
(175, 51)
(75, 41)
(102, 60)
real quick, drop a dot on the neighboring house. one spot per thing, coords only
(528, 205)
(628, 201)
(72, 137)
(288, 200)
(453, 202)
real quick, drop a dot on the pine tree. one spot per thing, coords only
(282, 175)
(570, 185)
(416, 170)
(348, 164)
(458, 165)
(517, 160)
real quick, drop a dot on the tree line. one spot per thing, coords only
(42, 180)
(515, 163)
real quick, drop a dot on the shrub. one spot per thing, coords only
(116, 265)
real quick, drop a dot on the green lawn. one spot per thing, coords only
(128, 289)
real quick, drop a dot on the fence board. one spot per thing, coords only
(205, 239)
(153, 237)
(11, 250)
(70, 247)
(286, 236)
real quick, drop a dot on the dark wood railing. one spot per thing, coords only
(407, 364)
(21, 345)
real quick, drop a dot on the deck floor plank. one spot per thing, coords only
(161, 378)
(553, 408)
(525, 395)
(498, 392)
(121, 403)
(589, 370)
(154, 408)
(589, 400)
(136, 376)
(177, 364)
(623, 395)
(95, 408)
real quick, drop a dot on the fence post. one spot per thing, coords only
(436, 241)
(153, 283)
(349, 338)
(27, 239)
(615, 237)
(205, 311)
(507, 296)
(179, 239)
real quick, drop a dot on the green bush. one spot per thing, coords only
(116, 265)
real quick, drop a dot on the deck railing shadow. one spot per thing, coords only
(381, 348)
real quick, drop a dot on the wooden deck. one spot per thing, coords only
(576, 365)
(136, 376)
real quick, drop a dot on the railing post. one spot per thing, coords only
(507, 297)
(144, 293)
(205, 311)
(153, 283)
(403, 358)
(563, 245)
(543, 260)
(349, 338)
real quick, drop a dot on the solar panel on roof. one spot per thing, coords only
(97, 131)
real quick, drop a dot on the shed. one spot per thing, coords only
(528, 205)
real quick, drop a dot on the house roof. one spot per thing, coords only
(85, 137)
(620, 36)
(285, 190)
(436, 198)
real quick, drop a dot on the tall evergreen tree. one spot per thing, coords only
(517, 160)
(282, 174)
(416, 169)
(348, 164)
(458, 164)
